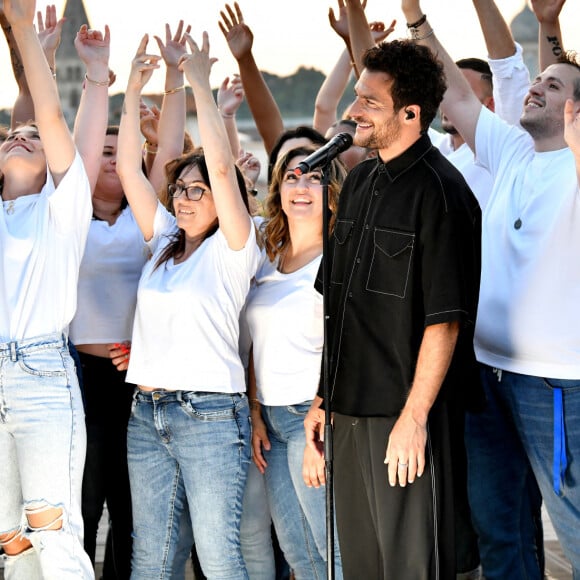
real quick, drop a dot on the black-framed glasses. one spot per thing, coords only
(192, 192)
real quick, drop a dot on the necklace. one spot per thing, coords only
(10, 208)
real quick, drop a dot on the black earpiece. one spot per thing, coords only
(410, 114)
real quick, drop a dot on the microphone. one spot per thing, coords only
(339, 143)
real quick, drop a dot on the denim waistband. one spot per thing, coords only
(167, 396)
(15, 348)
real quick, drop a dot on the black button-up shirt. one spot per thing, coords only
(405, 253)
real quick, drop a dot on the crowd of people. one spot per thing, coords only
(173, 348)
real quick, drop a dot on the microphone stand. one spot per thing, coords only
(328, 436)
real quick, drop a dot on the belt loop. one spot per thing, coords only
(13, 352)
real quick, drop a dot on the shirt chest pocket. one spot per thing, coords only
(390, 267)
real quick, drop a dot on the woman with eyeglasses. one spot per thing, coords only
(284, 317)
(189, 433)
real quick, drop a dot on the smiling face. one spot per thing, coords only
(378, 125)
(543, 116)
(194, 217)
(301, 196)
(22, 148)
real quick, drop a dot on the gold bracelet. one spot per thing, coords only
(97, 83)
(175, 90)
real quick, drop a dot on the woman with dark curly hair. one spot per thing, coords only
(284, 315)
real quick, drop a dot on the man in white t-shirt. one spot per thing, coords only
(527, 334)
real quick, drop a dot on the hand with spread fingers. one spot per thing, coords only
(196, 64)
(174, 46)
(237, 33)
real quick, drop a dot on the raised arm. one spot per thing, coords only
(229, 98)
(498, 37)
(54, 134)
(258, 96)
(233, 216)
(49, 35)
(460, 104)
(138, 189)
(171, 127)
(93, 113)
(549, 35)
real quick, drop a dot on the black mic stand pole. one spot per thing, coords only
(328, 436)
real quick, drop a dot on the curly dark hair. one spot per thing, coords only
(418, 77)
(275, 229)
(173, 169)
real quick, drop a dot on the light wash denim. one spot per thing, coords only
(256, 528)
(510, 447)
(42, 446)
(298, 511)
(188, 449)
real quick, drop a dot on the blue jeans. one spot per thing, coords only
(188, 450)
(298, 511)
(256, 529)
(510, 448)
(42, 446)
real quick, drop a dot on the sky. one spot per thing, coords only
(287, 35)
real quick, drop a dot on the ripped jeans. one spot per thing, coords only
(42, 446)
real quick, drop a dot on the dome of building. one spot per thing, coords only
(525, 26)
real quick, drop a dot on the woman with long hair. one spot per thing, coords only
(284, 316)
(189, 434)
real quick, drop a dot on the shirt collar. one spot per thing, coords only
(395, 167)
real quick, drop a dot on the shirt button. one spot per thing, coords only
(375, 192)
(358, 260)
(350, 294)
(367, 226)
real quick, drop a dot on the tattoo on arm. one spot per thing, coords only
(557, 49)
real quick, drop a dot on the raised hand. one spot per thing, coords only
(174, 46)
(149, 122)
(142, 66)
(249, 165)
(339, 24)
(547, 10)
(379, 32)
(196, 65)
(20, 12)
(230, 96)
(93, 47)
(237, 34)
(49, 32)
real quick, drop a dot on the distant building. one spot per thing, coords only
(525, 30)
(70, 70)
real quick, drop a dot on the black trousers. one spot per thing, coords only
(393, 532)
(108, 405)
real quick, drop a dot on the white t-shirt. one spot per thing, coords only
(186, 330)
(109, 275)
(42, 239)
(285, 316)
(511, 81)
(528, 319)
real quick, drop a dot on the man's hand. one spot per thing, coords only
(547, 10)
(405, 455)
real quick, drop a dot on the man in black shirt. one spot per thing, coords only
(403, 295)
